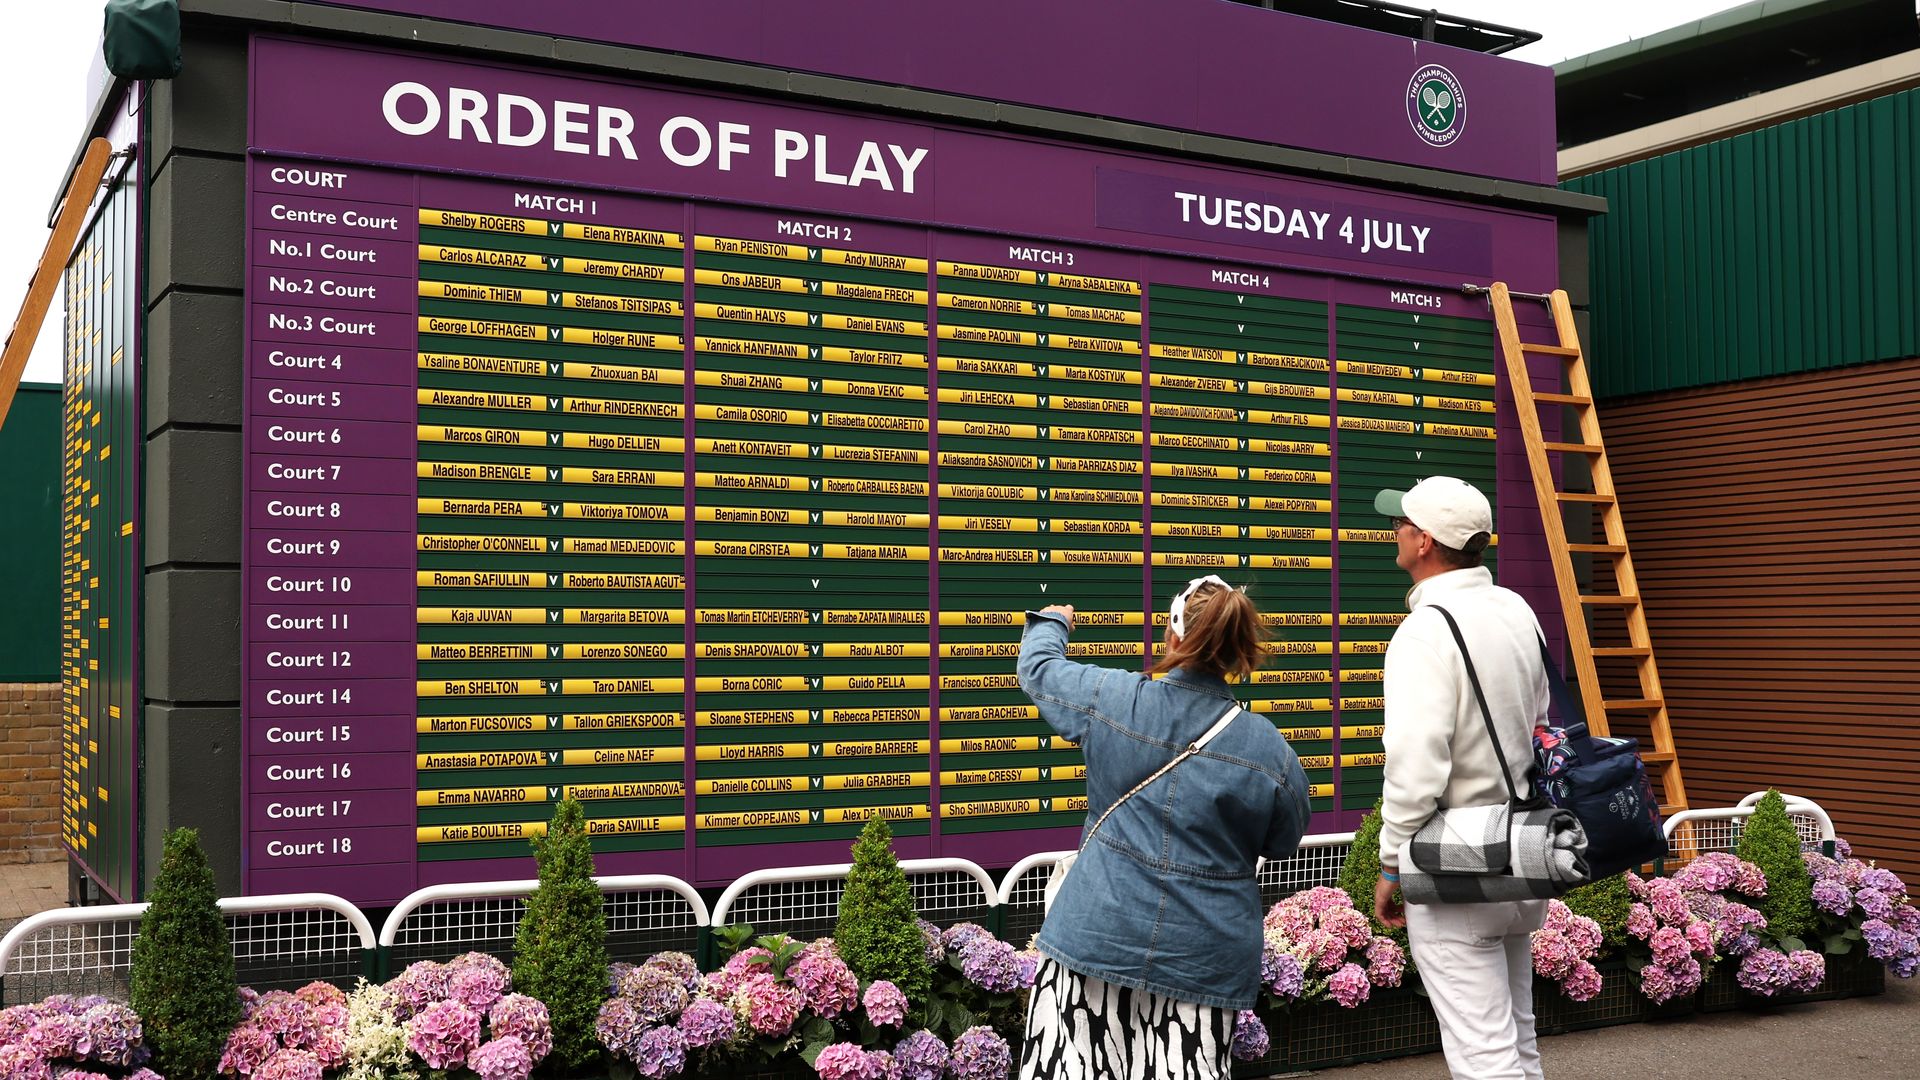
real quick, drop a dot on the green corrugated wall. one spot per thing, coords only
(30, 537)
(1788, 249)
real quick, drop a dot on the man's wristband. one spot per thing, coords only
(1389, 875)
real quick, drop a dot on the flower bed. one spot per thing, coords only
(1618, 1001)
(1393, 1022)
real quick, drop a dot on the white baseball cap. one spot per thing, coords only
(1454, 511)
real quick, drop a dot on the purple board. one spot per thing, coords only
(695, 456)
(1191, 65)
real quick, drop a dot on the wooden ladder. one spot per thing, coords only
(1661, 759)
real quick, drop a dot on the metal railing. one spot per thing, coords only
(288, 940)
(278, 941)
(646, 913)
(804, 901)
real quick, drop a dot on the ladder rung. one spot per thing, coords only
(1634, 651)
(1574, 447)
(1669, 811)
(1548, 350)
(1634, 705)
(1583, 496)
(1610, 601)
(1562, 399)
(1598, 549)
(1658, 757)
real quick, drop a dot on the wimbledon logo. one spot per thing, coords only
(1436, 106)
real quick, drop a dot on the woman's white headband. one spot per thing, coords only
(1177, 611)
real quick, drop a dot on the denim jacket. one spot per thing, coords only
(1164, 899)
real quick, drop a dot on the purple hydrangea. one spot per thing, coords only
(138, 1074)
(707, 1022)
(55, 1035)
(1876, 904)
(84, 1074)
(1658, 984)
(847, 1061)
(920, 1056)
(504, 1058)
(1885, 881)
(660, 1053)
(1764, 972)
(1284, 977)
(960, 936)
(420, 985)
(1806, 969)
(17, 1021)
(1028, 961)
(886, 1005)
(657, 994)
(680, 965)
(936, 942)
(980, 1054)
(523, 1018)
(617, 971)
(477, 987)
(619, 1027)
(290, 1065)
(989, 964)
(1250, 1039)
(1832, 897)
(249, 997)
(1349, 985)
(113, 1034)
(444, 1033)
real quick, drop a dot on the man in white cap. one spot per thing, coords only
(1474, 958)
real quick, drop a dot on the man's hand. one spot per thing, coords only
(1385, 908)
(1063, 610)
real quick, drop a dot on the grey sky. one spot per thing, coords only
(45, 88)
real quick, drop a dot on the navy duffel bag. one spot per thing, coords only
(1603, 782)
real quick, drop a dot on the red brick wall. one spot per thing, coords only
(30, 773)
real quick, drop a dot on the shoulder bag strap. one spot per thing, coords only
(1485, 713)
(1580, 737)
(1192, 749)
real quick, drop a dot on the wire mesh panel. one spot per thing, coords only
(1317, 862)
(278, 942)
(70, 958)
(643, 916)
(1023, 896)
(804, 902)
(1693, 833)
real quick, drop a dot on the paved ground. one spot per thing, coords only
(1832, 1040)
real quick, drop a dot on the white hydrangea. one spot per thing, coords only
(376, 1042)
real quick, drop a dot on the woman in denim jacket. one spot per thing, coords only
(1153, 943)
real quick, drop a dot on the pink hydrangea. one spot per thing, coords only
(657, 994)
(19, 1061)
(847, 1061)
(1553, 955)
(525, 1019)
(420, 985)
(1349, 985)
(290, 1065)
(317, 993)
(772, 1006)
(1670, 946)
(680, 965)
(1640, 921)
(825, 981)
(708, 1023)
(443, 1034)
(477, 987)
(503, 1058)
(749, 961)
(1581, 983)
(886, 1005)
(1348, 925)
(248, 1047)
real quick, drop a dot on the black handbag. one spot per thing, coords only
(1602, 781)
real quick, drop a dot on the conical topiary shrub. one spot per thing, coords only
(878, 934)
(1770, 842)
(560, 949)
(183, 984)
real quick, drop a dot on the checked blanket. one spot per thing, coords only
(1480, 854)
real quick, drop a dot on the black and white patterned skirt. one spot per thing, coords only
(1083, 1028)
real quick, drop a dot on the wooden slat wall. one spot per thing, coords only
(1775, 525)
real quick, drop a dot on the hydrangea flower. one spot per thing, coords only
(1283, 975)
(56, 1034)
(657, 994)
(660, 1053)
(886, 1006)
(1250, 1039)
(444, 1033)
(679, 965)
(523, 1018)
(1349, 985)
(1832, 897)
(619, 1027)
(825, 981)
(1386, 962)
(477, 987)
(420, 985)
(290, 1065)
(17, 1021)
(248, 1047)
(847, 1061)
(989, 963)
(920, 1056)
(961, 935)
(1028, 963)
(771, 1006)
(936, 942)
(504, 1058)
(980, 1054)
(317, 993)
(722, 984)
(113, 1034)
(1581, 983)
(707, 1022)
(19, 1060)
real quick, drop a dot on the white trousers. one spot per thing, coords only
(1478, 969)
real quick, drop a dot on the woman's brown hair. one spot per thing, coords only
(1225, 635)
